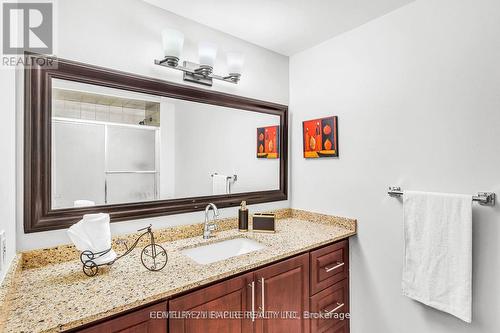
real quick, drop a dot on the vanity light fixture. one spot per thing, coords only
(201, 72)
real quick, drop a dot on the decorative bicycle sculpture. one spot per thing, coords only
(153, 256)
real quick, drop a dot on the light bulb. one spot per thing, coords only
(235, 62)
(207, 53)
(173, 41)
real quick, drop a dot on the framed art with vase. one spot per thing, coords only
(268, 142)
(320, 137)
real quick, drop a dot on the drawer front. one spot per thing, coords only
(342, 328)
(329, 265)
(333, 306)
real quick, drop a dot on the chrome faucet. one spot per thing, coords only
(210, 225)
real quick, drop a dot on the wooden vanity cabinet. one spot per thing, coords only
(317, 281)
(277, 288)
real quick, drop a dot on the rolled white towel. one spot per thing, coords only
(93, 233)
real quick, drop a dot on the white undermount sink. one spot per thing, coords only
(207, 254)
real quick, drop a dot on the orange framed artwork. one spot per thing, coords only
(320, 137)
(268, 145)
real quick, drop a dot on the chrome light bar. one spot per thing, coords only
(196, 73)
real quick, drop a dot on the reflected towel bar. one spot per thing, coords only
(484, 198)
(231, 178)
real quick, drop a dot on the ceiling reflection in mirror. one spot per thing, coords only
(112, 146)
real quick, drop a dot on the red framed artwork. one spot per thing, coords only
(320, 137)
(268, 145)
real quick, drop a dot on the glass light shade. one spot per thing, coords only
(207, 53)
(173, 41)
(235, 62)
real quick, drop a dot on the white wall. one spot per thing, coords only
(126, 35)
(417, 93)
(8, 162)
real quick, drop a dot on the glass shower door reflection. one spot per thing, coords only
(130, 187)
(77, 163)
(131, 164)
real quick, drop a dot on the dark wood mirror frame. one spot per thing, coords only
(38, 215)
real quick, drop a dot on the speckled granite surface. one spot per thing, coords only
(58, 296)
(7, 288)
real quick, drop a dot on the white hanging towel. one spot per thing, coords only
(219, 184)
(93, 233)
(437, 268)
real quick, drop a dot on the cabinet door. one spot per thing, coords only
(231, 297)
(283, 289)
(148, 320)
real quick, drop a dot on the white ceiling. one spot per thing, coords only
(284, 26)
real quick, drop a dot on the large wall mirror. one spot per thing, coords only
(98, 140)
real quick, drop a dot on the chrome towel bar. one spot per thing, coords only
(484, 198)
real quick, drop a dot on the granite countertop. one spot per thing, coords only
(58, 296)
